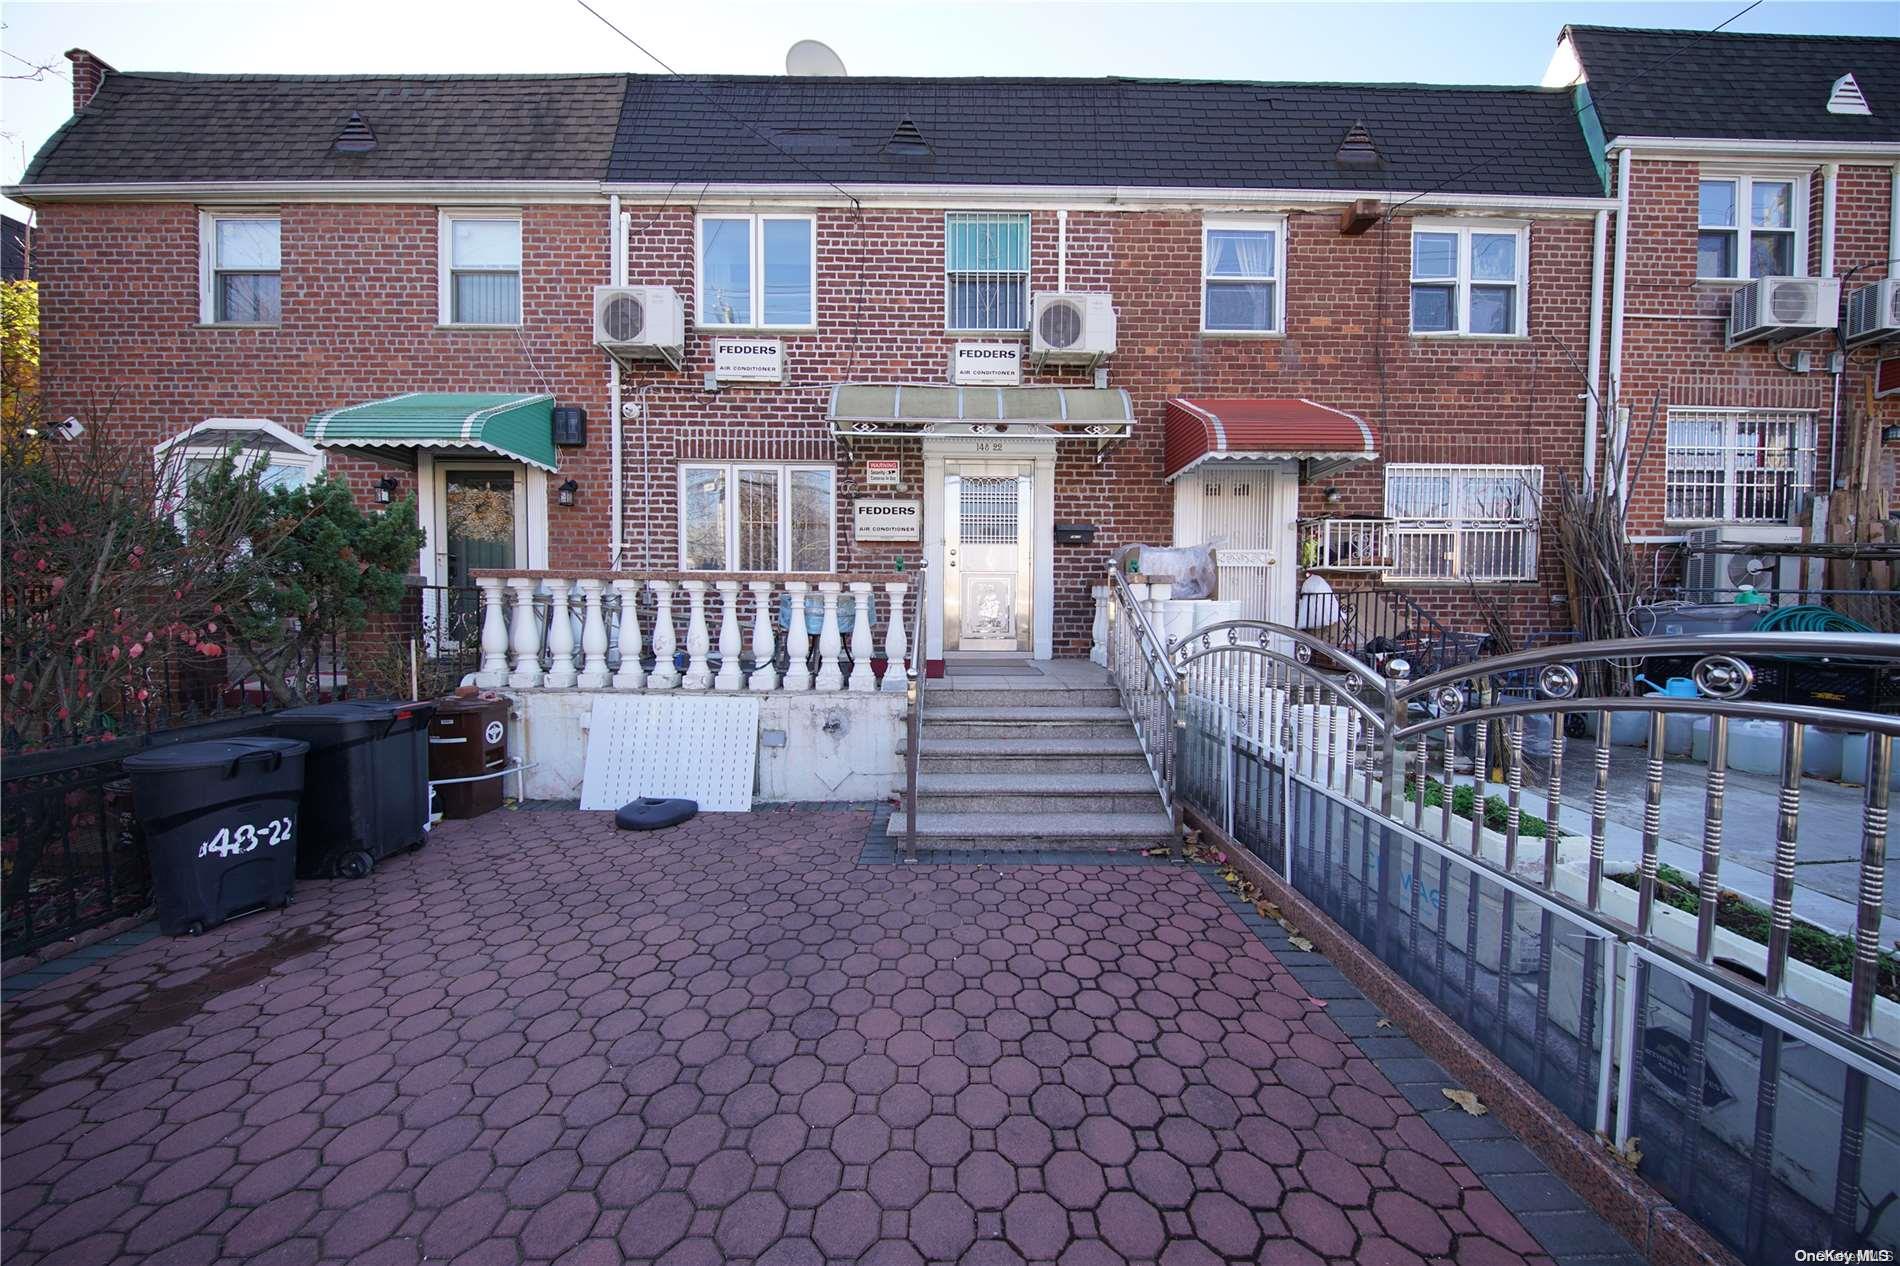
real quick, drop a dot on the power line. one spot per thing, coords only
(721, 107)
(40, 69)
(1590, 103)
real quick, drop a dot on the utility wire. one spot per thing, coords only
(721, 107)
(1589, 104)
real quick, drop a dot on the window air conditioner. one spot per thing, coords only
(1783, 308)
(1873, 312)
(1712, 576)
(640, 323)
(1072, 327)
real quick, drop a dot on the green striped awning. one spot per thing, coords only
(517, 427)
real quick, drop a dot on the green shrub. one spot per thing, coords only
(1497, 810)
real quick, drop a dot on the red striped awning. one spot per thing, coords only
(1203, 430)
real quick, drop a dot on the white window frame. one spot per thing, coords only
(1461, 284)
(1801, 486)
(1275, 224)
(212, 438)
(756, 257)
(1743, 179)
(445, 266)
(1029, 260)
(784, 471)
(1466, 534)
(208, 269)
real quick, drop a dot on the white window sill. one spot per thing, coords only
(1459, 336)
(1244, 335)
(996, 334)
(476, 326)
(756, 331)
(1411, 581)
(1728, 282)
(238, 325)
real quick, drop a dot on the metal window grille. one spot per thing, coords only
(986, 270)
(1738, 466)
(1463, 522)
(987, 510)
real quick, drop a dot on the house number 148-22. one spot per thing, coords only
(246, 838)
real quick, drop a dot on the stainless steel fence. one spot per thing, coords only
(1429, 819)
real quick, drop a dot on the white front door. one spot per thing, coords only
(988, 535)
(1247, 511)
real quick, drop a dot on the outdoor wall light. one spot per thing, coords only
(386, 490)
(568, 492)
(1888, 434)
(1333, 494)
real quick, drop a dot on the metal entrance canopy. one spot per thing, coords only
(872, 410)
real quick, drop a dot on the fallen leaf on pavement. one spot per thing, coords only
(1468, 1101)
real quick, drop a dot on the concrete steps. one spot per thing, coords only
(1031, 763)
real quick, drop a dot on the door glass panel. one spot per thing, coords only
(988, 510)
(480, 512)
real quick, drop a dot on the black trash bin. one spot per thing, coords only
(367, 782)
(220, 823)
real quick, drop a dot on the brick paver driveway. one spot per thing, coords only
(542, 1040)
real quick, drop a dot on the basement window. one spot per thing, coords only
(1463, 522)
(242, 268)
(747, 517)
(1730, 466)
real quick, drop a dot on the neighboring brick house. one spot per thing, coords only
(1746, 156)
(1364, 304)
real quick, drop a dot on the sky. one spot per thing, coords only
(1421, 41)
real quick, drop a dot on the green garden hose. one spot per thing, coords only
(1809, 618)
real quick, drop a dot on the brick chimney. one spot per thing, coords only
(88, 73)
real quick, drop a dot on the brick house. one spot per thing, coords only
(1279, 262)
(1736, 160)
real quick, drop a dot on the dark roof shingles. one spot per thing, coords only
(1100, 132)
(151, 127)
(1737, 86)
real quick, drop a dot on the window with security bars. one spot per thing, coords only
(1463, 522)
(986, 271)
(1730, 466)
(741, 517)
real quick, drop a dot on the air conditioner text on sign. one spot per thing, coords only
(881, 474)
(987, 364)
(889, 520)
(748, 359)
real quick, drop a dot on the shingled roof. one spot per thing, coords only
(165, 127)
(1100, 132)
(1766, 87)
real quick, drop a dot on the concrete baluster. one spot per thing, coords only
(764, 675)
(797, 638)
(895, 639)
(730, 642)
(664, 675)
(698, 643)
(629, 676)
(594, 673)
(494, 669)
(525, 636)
(830, 675)
(862, 678)
(561, 674)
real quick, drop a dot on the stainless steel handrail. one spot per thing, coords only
(914, 705)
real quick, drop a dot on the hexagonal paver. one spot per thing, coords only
(541, 1039)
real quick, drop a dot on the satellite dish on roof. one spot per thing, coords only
(811, 57)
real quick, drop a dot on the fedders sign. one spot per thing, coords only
(986, 364)
(748, 359)
(888, 520)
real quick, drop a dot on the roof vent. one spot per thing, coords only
(356, 137)
(1847, 98)
(908, 140)
(1358, 149)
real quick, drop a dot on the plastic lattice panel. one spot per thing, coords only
(698, 747)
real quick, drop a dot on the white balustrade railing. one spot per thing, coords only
(742, 632)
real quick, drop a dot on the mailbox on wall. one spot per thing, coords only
(1075, 533)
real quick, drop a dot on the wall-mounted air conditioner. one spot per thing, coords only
(1782, 308)
(1713, 574)
(640, 323)
(1873, 312)
(1072, 327)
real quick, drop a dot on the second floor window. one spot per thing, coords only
(1746, 227)
(1240, 277)
(758, 271)
(986, 271)
(243, 270)
(1468, 279)
(1727, 466)
(482, 269)
(739, 517)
